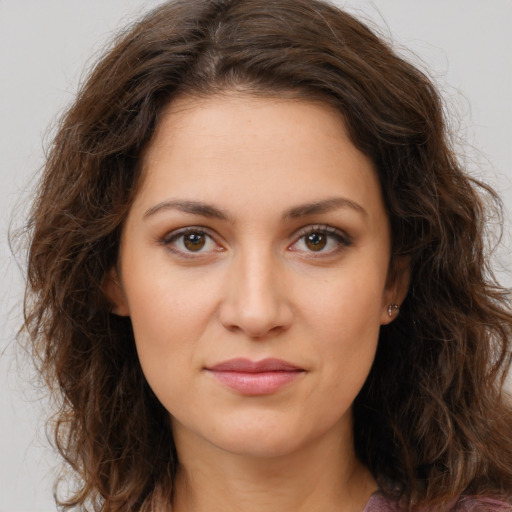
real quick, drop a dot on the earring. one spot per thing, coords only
(393, 307)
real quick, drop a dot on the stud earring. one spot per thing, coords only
(393, 307)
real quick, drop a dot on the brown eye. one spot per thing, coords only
(320, 241)
(316, 241)
(194, 241)
(191, 242)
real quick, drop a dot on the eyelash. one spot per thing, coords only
(341, 238)
(172, 237)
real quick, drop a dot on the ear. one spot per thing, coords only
(396, 288)
(114, 292)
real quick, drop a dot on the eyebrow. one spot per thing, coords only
(324, 206)
(210, 211)
(193, 207)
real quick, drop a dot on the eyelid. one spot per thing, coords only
(341, 237)
(168, 239)
(322, 228)
(176, 233)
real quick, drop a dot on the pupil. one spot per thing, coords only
(316, 241)
(194, 241)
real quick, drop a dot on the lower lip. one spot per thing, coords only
(254, 384)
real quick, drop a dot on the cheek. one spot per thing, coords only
(348, 304)
(161, 296)
(344, 320)
(167, 327)
(169, 312)
(164, 320)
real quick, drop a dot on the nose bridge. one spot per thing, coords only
(255, 301)
(256, 278)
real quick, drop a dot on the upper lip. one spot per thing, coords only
(248, 366)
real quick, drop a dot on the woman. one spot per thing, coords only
(257, 276)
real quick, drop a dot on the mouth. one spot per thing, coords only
(255, 378)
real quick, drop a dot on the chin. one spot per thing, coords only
(265, 435)
(261, 446)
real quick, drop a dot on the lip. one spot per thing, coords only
(254, 378)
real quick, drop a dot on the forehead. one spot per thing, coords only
(242, 147)
(245, 121)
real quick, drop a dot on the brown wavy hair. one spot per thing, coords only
(432, 421)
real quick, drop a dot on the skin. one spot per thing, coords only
(252, 286)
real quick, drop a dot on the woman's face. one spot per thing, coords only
(254, 267)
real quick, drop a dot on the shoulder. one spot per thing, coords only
(480, 504)
(378, 502)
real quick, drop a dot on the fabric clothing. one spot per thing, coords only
(380, 503)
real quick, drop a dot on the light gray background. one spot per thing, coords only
(44, 47)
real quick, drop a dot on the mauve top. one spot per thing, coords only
(380, 503)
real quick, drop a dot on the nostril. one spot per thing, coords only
(254, 302)
(256, 322)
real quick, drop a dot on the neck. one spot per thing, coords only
(323, 476)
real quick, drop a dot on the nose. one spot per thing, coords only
(256, 301)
